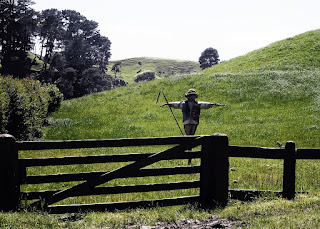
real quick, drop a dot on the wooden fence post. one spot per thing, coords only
(9, 178)
(289, 171)
(214, 174)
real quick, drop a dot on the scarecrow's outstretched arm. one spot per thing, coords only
(217, 104)
(176, 105)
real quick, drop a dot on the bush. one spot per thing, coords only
(146, 76)
(118, 82)
(4, 103)
(93, 80)
(55, 98)
(25, 105)
(74, 84)
(66, 82)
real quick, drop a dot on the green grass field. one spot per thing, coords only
(130, 68)
(271, 94)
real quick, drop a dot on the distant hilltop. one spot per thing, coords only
(132, 67)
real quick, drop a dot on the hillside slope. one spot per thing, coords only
(262, 107)
(269, 98)
(130, 68)
(301, 52)
(259, 110)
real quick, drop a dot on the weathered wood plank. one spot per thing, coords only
(59, 209)
(118, 189)
(289, 171)
(90, 143)
(9, 174)
(271, 153)
(308, 154)
(30, 162)
(214, 173)
(256, 152)
(67, 177)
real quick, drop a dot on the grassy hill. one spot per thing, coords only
(130, 68)
(265, 103)
(270, 95)
(301, 53)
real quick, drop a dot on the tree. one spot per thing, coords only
(82, 51)
(66, 82)
(51, 33)
(116, 68)
(140, 63)
(17, 28)
(84, 46)
(51, 74)
(102, 52)
(93, 80)
(208, 58)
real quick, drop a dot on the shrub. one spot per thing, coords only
(25, 106)
(4, 103)
(118, 82)
(146, 76)
(66, 82)
(55, 98)
(93, 80)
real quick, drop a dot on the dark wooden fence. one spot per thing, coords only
(214, 171)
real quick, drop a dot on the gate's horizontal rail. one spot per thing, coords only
(30, 162)
(118, 189)
(124, 142)
(67, 177)
(59, 209)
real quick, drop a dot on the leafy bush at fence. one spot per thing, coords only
(146, 76)
(24, 106)
(4, 103)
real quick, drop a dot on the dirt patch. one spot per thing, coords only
(212, 222)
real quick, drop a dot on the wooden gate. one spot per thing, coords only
(213, 171)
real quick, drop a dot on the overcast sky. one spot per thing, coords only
(182, 29)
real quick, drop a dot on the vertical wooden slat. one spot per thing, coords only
(9, 174)
(214, 175)
(289, 171)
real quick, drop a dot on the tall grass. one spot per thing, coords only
(298, 53)
(271, 94)
(260, 109)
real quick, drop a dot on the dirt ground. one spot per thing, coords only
(212, 222)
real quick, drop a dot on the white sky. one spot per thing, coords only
(182, 29)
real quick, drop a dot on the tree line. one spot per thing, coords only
(72, 51)
(70, 48)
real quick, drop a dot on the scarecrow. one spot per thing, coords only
(191, 110)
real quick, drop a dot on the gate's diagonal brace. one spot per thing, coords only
(134, 167)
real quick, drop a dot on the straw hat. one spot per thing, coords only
(191, 92)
